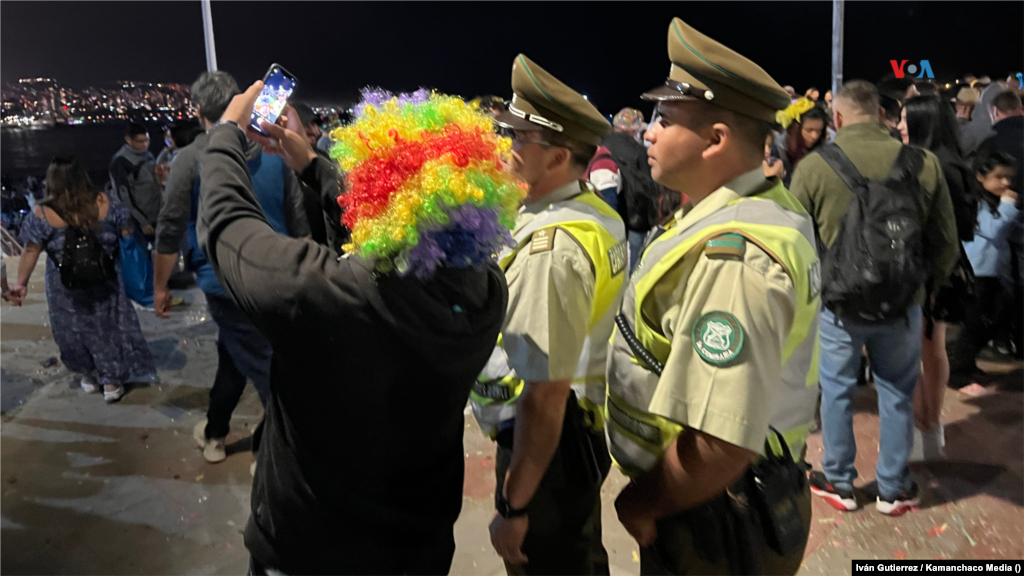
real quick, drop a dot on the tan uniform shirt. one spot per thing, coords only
(549, 301)
(734, 403)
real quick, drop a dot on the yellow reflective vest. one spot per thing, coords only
(774, 221)
(599, 231)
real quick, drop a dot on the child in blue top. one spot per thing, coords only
(996, 212)
(989, 254)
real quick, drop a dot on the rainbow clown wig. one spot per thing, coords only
(425, 183)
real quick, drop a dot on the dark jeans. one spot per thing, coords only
(433, 556)
(242, 352)
(565, 514)
(983, 318)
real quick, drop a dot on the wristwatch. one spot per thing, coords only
(506, 510)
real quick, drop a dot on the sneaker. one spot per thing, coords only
(213, 448)
(836, 498)
(899, 504)
(111, 396)
(90, 385)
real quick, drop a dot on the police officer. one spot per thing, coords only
(542, 394)
(723, 305)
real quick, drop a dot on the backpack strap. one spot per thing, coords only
(840, 162)
(908, 164)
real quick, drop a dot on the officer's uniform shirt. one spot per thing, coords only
(733, 403)
(550, 293)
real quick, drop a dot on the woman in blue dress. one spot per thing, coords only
(95, 327)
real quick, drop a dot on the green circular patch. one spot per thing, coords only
(718, 338)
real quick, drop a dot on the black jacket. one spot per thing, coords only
(1009, 139)
(361, 455)
(962, 182)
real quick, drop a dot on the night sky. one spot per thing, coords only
(611, 51)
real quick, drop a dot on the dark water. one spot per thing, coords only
(28, 152)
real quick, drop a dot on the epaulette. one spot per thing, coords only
(728, 246)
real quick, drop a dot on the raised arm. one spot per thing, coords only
(278, 281)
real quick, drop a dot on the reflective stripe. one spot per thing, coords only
(629, 457)
(599, 231)
(775, 222)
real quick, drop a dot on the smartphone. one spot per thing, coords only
(278, 85)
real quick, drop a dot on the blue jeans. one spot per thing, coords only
(243, 352)
(895, 354)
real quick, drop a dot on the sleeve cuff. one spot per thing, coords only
(308, 176)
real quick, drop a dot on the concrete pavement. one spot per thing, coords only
(91, 488)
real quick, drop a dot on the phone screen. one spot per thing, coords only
(277, 88)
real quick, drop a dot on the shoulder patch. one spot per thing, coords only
(617, 256)
(717, 338)
(543, 240)
(727, 246)
(814, 280)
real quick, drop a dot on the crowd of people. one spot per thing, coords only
(688, 298)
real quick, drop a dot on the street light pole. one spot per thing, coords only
(838, 10)
(211, 48)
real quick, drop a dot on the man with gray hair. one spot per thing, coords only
(894, 347)
(242, 351)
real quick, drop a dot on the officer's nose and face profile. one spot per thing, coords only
(677, 143)
(530, 156)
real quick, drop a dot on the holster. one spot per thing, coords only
(759, 511)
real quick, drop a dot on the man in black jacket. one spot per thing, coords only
(361, 464)
(1008, 123)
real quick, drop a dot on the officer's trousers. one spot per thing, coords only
(564, 536)
(675, 552)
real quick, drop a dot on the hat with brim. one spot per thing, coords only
(542, 102)
(705, 70)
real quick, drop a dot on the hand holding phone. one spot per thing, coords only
(278, 85)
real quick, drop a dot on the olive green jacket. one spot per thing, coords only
(873, 151)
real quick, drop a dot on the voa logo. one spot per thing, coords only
(925, 69)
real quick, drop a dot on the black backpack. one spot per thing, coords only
(83, 262)
(639, 194)
(876, 266)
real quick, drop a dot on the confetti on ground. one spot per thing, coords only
(636, 557)
(963, 530)
(231, 522)
(900, 554)
(200, 477)
(936, 530)
(825, 520)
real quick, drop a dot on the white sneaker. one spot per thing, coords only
(90, 385)
(213, 448)
(112, 396)
(142, 308)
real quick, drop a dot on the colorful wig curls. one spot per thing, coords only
(426, 185)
